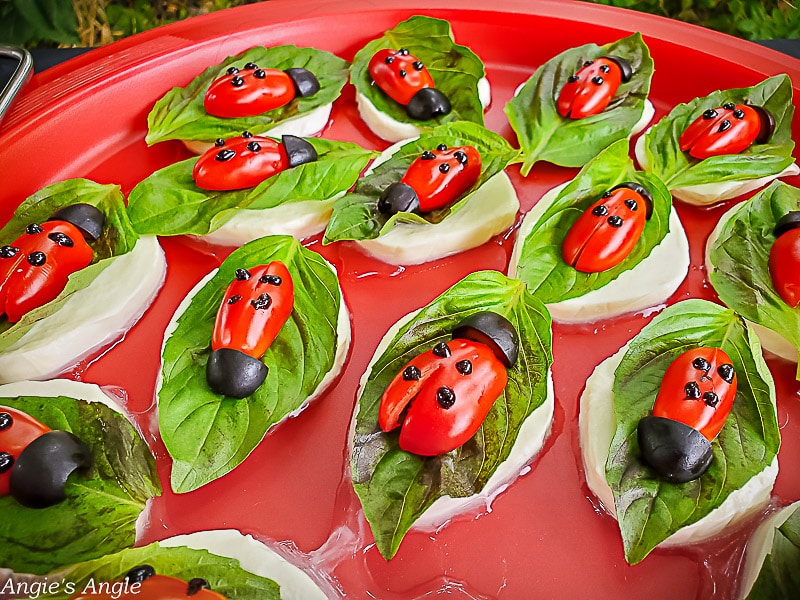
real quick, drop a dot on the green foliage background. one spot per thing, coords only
(32, 23)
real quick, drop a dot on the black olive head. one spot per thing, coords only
(298, 150)
(675, 451)
(624, 66)
(642, 191)
(787, 222)
(233, 373)
(493, 330)
(305, 82)
(428, 103)
(89, 219)
(398, 197)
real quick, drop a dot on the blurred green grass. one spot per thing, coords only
(32, 23)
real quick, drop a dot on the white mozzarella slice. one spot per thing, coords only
(772, 341)
(707, 194)
(596, 425)
(305, 125)
(529, 442)
(54, 388)
(648, 284)
(90, 318)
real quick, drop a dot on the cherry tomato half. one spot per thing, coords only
(784, 259)
(728, 129)
(17, 431)
(607, 232)
(590, 90)
(142, 583)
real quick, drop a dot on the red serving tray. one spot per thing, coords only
(545, 537)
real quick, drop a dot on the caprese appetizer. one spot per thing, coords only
(685, 410)
(66, 452)
(246, 187)
(429, 398)
(74, 276)
(723, 145)
(430, 197)
(250, 346)
(415, 77)
(753, 261)
(606, 243)
(581, 101)
(280, 90)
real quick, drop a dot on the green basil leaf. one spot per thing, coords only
(118, 238)
(541, 265)
(208, 435)
(543, 134)
(740, 257)
(224, 575)
(779, 578)
(650, 509)
(99, 513)
(356, 215)
(180, 113)
(455, 69)
(677, 169)
(169, 203)
(396, 487)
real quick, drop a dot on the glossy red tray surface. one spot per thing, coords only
(545, 537)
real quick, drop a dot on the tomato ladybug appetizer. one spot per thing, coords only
(35, 267)
(590, 90)
(693, 402)
(784, 258)
(245, 161)
(254, 308)
(36, 462)
(250, 91)
(441, 398)
(407, 81)
(142, 583)
(435, 179)
(728, 129)
(606, 233)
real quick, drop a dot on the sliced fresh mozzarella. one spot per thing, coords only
(54, 388)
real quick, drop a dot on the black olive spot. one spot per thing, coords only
(140, 574)
(738, 113)
(615, 221)
(37, 259)
(727, 372)
(607, 194)
(8, 252)
(237, 81)
(428, 155)
(6, 462)
(724, 126)
(711, 399)
(234, 299)
(701, 364)
(605, 68)
(389, 60)
(225, 154)
(232, 71)
(6, 421)
(62, 239)
(262, 302)
(588, 62)
(242, 274)
(572, 78)
(600, 210)
(247, 135)
(692, 390)
(33, 229)
(729, 106)
(461, 157)
(445, 397)
(444, 167)
(219, 142)
(411, 373)
(253, 146)
(442, 147)
(195, 585)
(464, 367)
(417, 64)
(403, 51)
(442, 350)
(251, 65)
(632, 204)
(259, 74)
(402, 72)
(270, 279)
(710, 114)
(597, 80)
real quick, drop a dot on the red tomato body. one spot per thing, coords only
(441, 176)
(784, 266)
(254, 308)
(35, 267)
(589, 91)
(248, 92)
(155, 587)
(450, 389)
(240, 163)
(698, 390)
(606, 233)
(399, 74)
(728, 129)
(17, 430)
